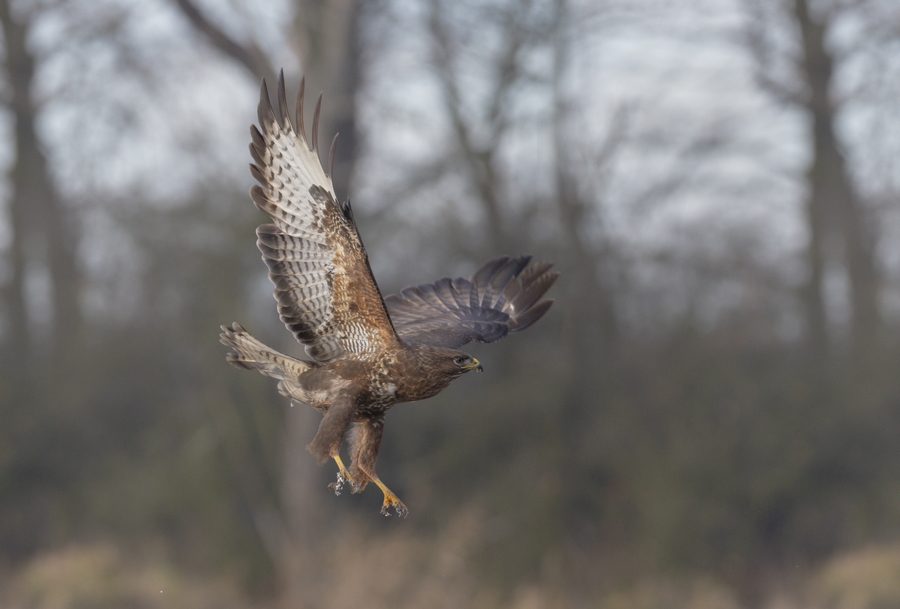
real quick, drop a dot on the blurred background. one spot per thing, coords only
(709, 416)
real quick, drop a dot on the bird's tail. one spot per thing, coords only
(250, 354)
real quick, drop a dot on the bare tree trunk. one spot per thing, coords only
(817, 335)
(21, 212)
(327, 42)
(591, 336)
(593, 308)
(833, 200)
(40, 227)
(19, 344)
(40, 238)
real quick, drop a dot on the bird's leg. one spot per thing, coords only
(364, 443)
(390, 499)
(342, 476)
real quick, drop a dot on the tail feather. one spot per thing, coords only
(250, 354)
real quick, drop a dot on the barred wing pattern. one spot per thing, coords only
(503, 296)
(324, 287)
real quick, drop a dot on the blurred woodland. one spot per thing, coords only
(709, 416)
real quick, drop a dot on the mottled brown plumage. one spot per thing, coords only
(367, 353)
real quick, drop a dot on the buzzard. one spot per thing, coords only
(366, 353)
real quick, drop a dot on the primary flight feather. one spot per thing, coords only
(366, 352)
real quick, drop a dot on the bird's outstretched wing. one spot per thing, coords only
(325, 290)
(503, 296)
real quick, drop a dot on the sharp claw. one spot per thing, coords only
(343, 477)
(398, 506)
(338, 485)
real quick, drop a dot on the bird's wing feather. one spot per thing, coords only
(502, 296)
(324, 286)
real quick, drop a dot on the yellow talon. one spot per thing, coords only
(344, 472)
(342, 477)
(390, 501)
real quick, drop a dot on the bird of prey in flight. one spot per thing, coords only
(366, 353)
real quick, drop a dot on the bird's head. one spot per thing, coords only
(447, 363)
(466, 363)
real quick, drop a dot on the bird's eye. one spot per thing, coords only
(460, 360)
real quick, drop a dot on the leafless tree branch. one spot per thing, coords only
(248, 54)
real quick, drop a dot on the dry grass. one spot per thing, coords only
(866, 579)
(100, 576)
(396, 569)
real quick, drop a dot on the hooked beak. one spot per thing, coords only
(475, 366)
